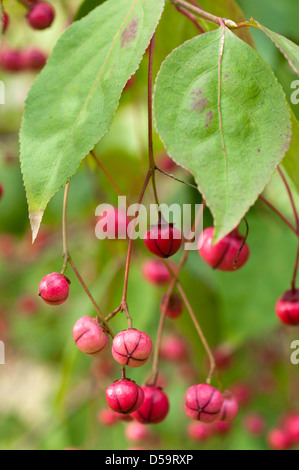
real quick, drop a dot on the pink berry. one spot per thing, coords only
(230, 407)
(90, 337)
(175, 305)
(113, 224)
(11, 60)
(287, 308)
(34, 59)
(107, 417)
(5, 22)
(1, 191)
(54, 289)
(166, 163)
(132, 347)
(255, 424)
(226, 254)
(124, 396)
(156, 272)
(223, 356)
(137, 433)
(199, 432)
(221, 427)
(163, 240)
(203, 403)
(278, 439)
(242, 393)
(154, 408)
(173, 349)
(291, 426)
(41, 16)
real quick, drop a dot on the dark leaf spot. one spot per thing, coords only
(129, 34)
(198, 101)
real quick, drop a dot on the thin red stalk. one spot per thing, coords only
(108, 176)
(191, 18)
(283, 218)
(294, 278)
(150, 117)
(290, 197)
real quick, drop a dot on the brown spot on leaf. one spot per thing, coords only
(199, 102)
(259, 150)
(209, 118)
(129, 34)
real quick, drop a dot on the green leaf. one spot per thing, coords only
(291, 160)
(223, 116)
(71, 105)
(288, 48)
(86, 7)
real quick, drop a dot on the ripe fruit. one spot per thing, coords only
(124, 396)
(112, 224)
(230, 407)
(221, 427)
(291, 426)
(11, 60)
(226, 254)
(199, 432)
(90, 337)
(34, 59)
(1, 190)
(156, 272)
(132, 347)
(5, 22)
(278, 439)
(254, 424)
(137, 433)
(155, 406)
(173, 349)
(175, 305)
(41, 16)
(203, 403)
(287, 308)
(107, 417)
(54, 289)
(163, 240)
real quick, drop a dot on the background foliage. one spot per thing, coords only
(48, 396)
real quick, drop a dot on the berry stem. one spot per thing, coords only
(190, 17)
(274, 209)
(204, 14)
(295, 270)
(176, 179)
(290, 197)
(108, 176)
(150, 118)
(68, 260)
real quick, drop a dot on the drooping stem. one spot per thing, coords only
(286, 184)
(108, 176)
(204, 14)
(151, 157)
(176, 179)
(295, 269)
(190, 17)
(68, 260)
(283, 218)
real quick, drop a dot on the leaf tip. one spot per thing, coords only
(35, 221)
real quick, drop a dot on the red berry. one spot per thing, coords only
(175, 305)
(107, 417)
(124, 396)
(223, 356)
(287, 308)
(242, 393)
(166, 163)
(156, 272)
(203, 403)
(199, 432)
(11, 60)
(5, 22)
(278, 439)
(254, 424)
(221, 427)
(226, 254)
(1, 191)
(154, 408)
(34, 59)
(41, 16)
(54, 289)
(137, 433)
(132, 347)
(90, 337)
(230, 407)
(291, 426)
(163, 240)
(112, 224)
(173, 349)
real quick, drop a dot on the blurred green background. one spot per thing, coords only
(50, 394)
